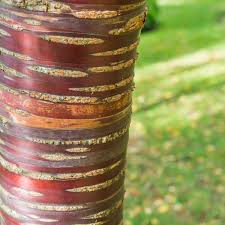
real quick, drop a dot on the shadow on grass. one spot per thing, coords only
(175, 176)
(188, 91)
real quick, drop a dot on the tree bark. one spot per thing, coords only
(66, 81)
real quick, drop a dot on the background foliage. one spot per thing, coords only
(176, 155)
(152, 16)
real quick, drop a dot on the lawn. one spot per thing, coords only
(176, 154)
(183, 28)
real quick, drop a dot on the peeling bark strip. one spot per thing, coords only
(73, 40)
(66, 80)
(58, 72)
(57, 7)
(4, 33)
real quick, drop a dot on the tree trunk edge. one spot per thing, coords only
(66, 82)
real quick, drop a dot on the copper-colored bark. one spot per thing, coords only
(66, 80)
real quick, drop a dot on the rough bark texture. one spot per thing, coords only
(66, 80)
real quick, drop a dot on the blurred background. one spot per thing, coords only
(176, 154)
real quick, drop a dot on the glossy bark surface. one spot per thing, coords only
(66, 80)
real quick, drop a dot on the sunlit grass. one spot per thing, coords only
(183, 29)
(176, 162)
(176, 154)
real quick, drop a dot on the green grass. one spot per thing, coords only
(176, 154)
(183, 29)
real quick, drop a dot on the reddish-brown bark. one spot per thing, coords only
(66, 80)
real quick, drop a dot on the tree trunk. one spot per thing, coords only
(66, 80)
